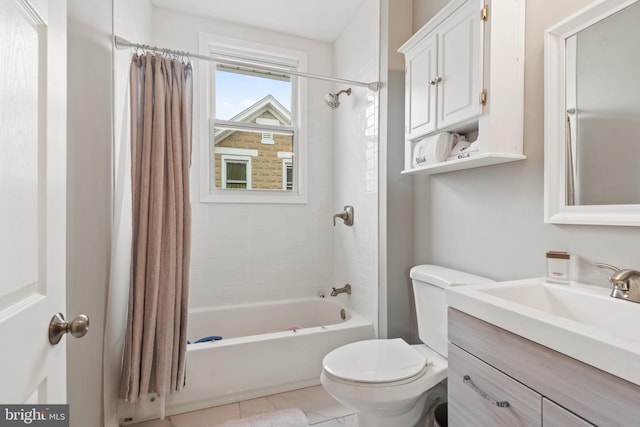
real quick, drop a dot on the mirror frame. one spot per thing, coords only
(556, 211)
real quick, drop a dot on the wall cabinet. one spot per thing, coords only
(445, 74)
(465, 74)
(542, 387)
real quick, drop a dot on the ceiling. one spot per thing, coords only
(314, 19)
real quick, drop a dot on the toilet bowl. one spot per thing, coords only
(387, 382)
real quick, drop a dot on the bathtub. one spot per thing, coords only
(266, 348)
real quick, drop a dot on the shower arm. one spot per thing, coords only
(122, 43)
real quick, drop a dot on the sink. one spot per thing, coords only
(579, 320)
(585, 305)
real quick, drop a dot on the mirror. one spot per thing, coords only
(592, 116)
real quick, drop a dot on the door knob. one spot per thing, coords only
(58, 327)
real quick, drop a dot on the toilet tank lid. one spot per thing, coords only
(445, 277)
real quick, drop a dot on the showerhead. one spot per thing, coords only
(332, 98)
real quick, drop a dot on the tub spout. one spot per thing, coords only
(346, 289)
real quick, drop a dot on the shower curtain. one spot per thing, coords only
(161, 92)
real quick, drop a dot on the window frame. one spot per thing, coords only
(243, 50)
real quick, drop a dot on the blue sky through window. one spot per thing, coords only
(235, 92)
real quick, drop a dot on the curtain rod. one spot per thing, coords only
(122, 43)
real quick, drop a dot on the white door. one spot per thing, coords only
(460, 66)
(32, 198)
(420, 103)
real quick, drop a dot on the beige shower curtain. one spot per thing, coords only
(161, 115)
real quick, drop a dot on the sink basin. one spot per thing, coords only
(586, 305)
(581, 321)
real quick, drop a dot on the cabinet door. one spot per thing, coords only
(480, 400)
(460, 66)
(420, 95)
(556, 416)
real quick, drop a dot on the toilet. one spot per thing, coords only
(387, 382)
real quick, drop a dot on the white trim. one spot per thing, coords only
(210, 43)
(285, 155)
(236, 151)
(556, 210)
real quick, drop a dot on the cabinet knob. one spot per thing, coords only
(434, 81)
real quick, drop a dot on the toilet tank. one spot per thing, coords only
(429, 285)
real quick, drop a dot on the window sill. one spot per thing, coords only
(254, 196)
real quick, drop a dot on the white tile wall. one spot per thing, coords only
(356, 160)
(254, 252)
(259, 252)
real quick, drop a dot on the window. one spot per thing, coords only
(287, 174)
(253, 125)
(236, 172)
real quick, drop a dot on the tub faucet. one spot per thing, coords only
(346, 216)
(625, 283)
(346, 289)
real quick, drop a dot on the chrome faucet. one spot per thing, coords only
(346, 216)
(625, 283)
(345, 289)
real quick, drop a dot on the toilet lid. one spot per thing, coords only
(374, 361)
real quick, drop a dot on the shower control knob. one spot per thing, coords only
(58, 327)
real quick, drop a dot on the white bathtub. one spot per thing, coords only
(266, 348)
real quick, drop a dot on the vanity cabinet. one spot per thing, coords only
(556, 416)
(479, 394)
(465, 74)
(542, 387)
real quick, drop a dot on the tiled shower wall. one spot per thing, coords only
(258, 252)
(356, 142)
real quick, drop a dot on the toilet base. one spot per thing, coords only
(418, 413)
(408, 417)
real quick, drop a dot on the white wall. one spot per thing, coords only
(355, 147)
(397, 314)
(489, 220)
(423, 10)
(88, 199)
(258, 252)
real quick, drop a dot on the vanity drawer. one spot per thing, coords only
(556, 416)
(476, 401)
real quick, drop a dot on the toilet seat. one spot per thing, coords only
(375, 362)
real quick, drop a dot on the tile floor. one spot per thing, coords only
(320, 408)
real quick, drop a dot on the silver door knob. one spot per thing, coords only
(58, 327)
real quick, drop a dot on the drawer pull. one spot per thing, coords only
(498, 403)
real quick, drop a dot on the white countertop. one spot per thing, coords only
(579, 320)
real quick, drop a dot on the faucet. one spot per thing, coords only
(346, 216)
(625, 283)
(345, 289)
